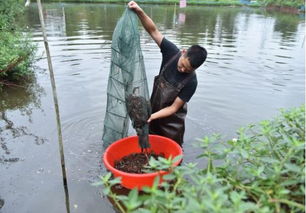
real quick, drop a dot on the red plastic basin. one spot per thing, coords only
(129, 145)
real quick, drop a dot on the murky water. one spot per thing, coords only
(255, 66)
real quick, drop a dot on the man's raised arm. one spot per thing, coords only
(146, 22)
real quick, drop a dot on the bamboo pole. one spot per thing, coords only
(56, 106)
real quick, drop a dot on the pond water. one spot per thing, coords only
(255, 66)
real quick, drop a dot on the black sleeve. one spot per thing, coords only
(168, 49)
(188, 90)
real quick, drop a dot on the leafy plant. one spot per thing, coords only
(262, 170)
(16, 49)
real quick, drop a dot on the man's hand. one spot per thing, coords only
(152, 117)
(134, 6)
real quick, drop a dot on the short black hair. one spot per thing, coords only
(196, 55)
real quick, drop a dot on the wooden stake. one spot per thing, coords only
(56, 106)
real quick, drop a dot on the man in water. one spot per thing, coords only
(175, 84)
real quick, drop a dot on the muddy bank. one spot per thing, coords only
(285, 9)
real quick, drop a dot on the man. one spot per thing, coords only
(175, 84)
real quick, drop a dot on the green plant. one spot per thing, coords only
(262, 170)
(9, 10)
(16, 49)
(267, 162)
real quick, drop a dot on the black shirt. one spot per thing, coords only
(172, 75)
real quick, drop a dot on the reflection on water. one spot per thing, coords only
(9, 130)
(1, 202)
(23, 98)
(255, 66)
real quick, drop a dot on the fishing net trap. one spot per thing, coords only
(127, 89)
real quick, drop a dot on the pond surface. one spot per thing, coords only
(255, 67)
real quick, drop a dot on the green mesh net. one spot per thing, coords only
(127, 90)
